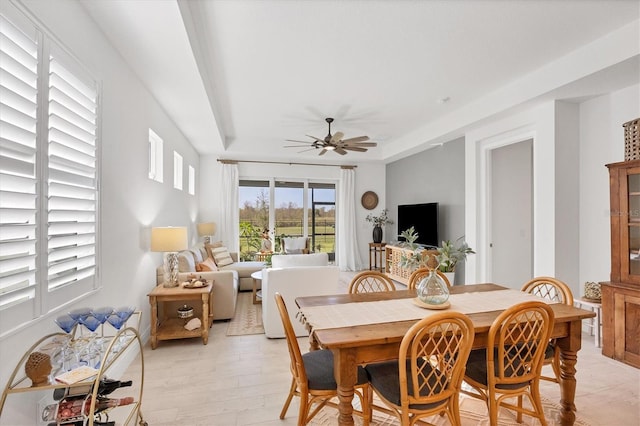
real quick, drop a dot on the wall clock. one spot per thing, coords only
(369, 200)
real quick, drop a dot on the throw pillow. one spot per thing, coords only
(209, 248)
(207, 265)
(221, 256)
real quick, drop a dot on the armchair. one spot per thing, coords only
(295, 245)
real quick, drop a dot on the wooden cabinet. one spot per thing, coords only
(393, 266)
(621, 296)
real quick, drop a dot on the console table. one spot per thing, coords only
(394, 258)
(376, 256)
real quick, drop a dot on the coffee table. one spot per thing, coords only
(257, 294)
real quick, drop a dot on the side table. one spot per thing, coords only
(171, 327)
(376, 256)
(257, 294)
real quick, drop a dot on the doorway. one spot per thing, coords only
(510, 203)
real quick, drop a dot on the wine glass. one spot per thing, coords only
(67, 323)
(90, 351)
(117, 322)
(101, 315)
(80, 314)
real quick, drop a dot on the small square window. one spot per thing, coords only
(177, 171)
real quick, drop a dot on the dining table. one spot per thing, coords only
(368, 327)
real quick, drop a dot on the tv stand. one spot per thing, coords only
(394, 258)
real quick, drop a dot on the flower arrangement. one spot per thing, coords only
(381, 220)
(449, 254)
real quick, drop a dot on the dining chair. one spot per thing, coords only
(557, 291)
(313, 378)
(370, 282)
(511, 363)
(421, 273)
(426, 378)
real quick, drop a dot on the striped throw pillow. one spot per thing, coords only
(221, 256)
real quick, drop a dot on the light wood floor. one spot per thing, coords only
(243, 380)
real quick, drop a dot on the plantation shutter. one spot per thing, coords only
(18, 171)
(72, 179)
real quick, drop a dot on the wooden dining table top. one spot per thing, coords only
(388, 332)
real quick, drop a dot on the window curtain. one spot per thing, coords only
(348, 254)
(230, 214)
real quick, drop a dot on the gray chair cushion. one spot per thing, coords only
(385, 378)
(477, 369)
(319, 368)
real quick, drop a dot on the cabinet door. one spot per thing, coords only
(630, 225)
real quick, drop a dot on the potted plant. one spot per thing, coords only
(378, 223)
(450, 253)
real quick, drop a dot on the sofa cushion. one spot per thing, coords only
(209, 247)
(207, 265)
(294, 260)
(294, 245)
(221, 256)
(197, 255)
(244, 269)
(186, 263)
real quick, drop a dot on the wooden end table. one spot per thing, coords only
(377, 256)
(172, 327)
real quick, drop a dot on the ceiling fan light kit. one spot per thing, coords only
(334, 142)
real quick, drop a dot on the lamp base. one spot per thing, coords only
(169, 284)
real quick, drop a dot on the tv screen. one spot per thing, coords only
(423, 218)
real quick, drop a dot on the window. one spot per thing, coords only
(192, 180)
(156, 171)
(177, 171)
(287, 209)
(49, 166)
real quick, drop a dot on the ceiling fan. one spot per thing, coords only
(334, 142)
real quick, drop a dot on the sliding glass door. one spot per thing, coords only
(286, 209)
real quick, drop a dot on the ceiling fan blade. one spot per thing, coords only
(358, 139)
(323, 152)
(354, 148)
(340, 151)
(305, 150)
(337, 137)
(295, 146)
(293, 140)
(314, 138)
(369, 144)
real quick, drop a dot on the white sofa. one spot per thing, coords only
(294, 276)
(227, 281)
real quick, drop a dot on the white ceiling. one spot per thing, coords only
(239, 77)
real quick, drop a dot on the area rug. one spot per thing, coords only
(248, 317)
(473, 412)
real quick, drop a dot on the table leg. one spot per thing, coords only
(205, 318)
(346, 374)
(255, 291)
(569, 347)
(154, 322)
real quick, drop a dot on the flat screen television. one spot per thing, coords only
(423, 218)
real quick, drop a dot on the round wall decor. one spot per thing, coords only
(369, 200)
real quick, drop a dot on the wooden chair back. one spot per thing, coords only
(297, 365)
(370, 282)
(420, 273)
(432, 358)
(520, 336)
(549, 288)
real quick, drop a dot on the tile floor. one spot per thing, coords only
(243, 380)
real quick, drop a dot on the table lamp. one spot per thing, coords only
(206, 230)
(170, 240)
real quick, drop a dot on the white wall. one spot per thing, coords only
(601, 142)
(369, 177)
(130, 202)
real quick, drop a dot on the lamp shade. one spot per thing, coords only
(205, 229)
(169, 239)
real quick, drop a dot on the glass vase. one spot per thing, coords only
(432, 289)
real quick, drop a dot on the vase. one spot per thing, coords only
(432, 289)
(377, 234)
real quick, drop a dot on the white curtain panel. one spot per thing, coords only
(348, 255)
(230, 217)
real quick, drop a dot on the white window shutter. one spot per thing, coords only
(18, 172)
(72, 176)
